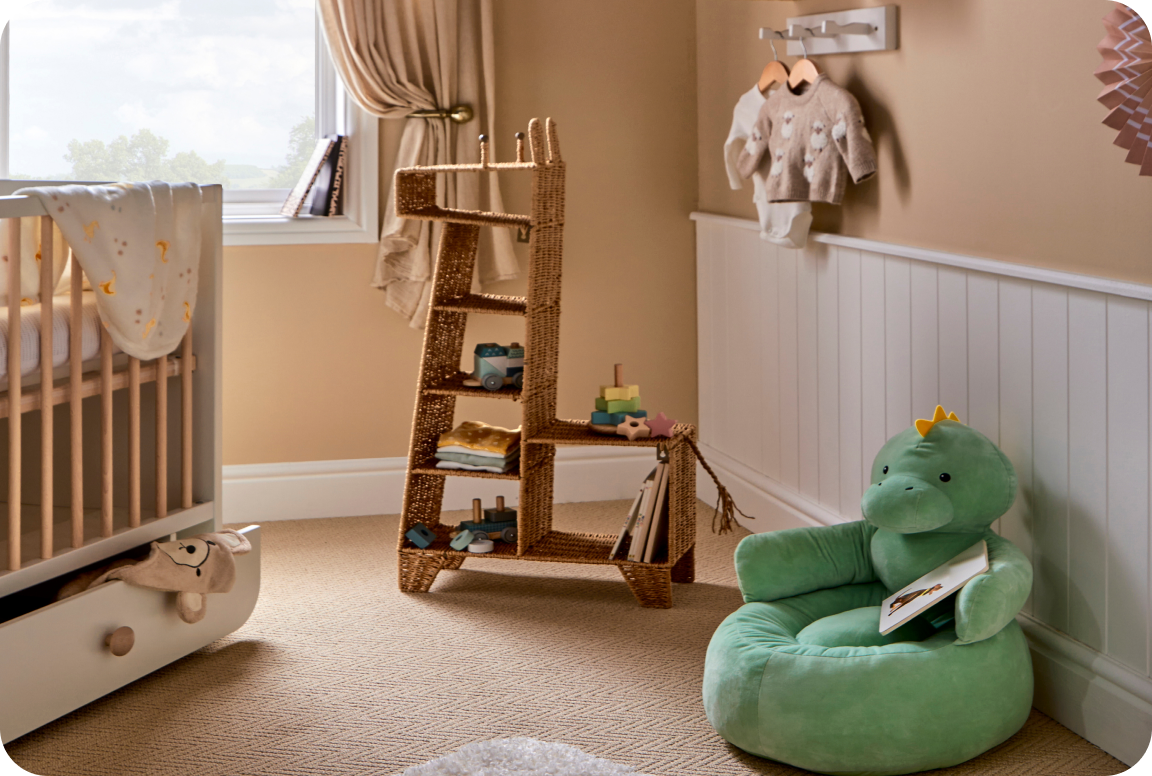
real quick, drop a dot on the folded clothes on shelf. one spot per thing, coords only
(478, 436)
(477, 446)
(498, 469)
(480, 460)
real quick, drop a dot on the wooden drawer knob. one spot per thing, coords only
(120, 641)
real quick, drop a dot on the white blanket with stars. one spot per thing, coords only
(139, 245)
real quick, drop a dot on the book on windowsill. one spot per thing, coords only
(940, 582)
(630, 517)
(299, 193)
(328, 197)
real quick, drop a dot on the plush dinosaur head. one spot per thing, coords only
(939, 476)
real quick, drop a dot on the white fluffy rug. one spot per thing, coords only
(519, 757)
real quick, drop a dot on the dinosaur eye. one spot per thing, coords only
(190, 550)
(884, 470)
(945, 477)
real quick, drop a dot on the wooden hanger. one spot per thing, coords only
(775, 73)
(804, 71)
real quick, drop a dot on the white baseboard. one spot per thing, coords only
(1092, 695)
(375, 486)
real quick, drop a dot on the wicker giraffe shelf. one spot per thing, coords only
(441, 382)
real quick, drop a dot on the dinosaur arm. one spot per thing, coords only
(990, 601)
(782, 564)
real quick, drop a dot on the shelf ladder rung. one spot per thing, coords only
(454, 386)
(473, 217)
(485, 303)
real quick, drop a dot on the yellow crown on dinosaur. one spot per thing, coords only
(924, 426)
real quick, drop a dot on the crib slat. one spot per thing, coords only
(76, 401)
(186, 421)
(134, 442)
(162, 437)
(46, 409)
(105, 433)
(13, 258)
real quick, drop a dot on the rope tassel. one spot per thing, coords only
(725, 510)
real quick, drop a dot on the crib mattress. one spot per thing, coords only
(61, 327)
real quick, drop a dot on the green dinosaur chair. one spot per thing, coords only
(801, 673)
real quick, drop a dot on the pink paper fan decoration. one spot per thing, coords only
(1127, 76)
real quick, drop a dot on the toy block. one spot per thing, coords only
(619, 393)
(661, 425)
(421, 536)
(634, 428)
(500, 514)
(462, 540)
(630, 405)
(489, 350)
(615, 418)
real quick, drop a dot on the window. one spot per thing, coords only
(213, 91)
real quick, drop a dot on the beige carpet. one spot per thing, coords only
(339, 673)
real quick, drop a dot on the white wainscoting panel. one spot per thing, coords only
(811, 359)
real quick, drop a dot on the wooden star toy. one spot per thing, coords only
(661, 425)
(634, 428)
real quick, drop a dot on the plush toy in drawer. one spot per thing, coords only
(191, 568)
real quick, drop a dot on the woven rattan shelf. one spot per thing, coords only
(576, 432)
(473, 217)
(429, 468)
(554, 547)
(441, 382)
(455, 387)
(486, 303)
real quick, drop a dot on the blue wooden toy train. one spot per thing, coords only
(497, 366)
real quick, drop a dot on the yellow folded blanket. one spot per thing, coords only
(475, 435)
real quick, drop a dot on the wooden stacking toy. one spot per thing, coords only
(616, 403)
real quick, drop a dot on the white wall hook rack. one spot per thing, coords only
(841, 32)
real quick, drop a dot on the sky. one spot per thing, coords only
(224, 78)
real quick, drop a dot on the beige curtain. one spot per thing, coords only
(397, 56)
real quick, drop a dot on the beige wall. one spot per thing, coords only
(317, 368)
(985, 121)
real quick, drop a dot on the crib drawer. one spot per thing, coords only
(55, 660)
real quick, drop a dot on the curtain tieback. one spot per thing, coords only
(459, 114)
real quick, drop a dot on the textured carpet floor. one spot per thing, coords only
(337, 672)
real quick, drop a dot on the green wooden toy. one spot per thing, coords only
(420, 535)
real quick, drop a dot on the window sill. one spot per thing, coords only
(303, 230)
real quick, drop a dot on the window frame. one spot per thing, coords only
(252, 216)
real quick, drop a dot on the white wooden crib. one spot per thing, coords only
(103, 456)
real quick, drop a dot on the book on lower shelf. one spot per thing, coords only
(658, 525)
(632, 514)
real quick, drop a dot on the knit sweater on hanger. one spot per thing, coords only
(806, 145)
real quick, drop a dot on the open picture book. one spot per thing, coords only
(940, 582)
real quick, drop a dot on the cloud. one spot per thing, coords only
(222, 78)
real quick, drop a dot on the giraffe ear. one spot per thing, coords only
(233, 541)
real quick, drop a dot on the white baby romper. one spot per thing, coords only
(783, 223)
